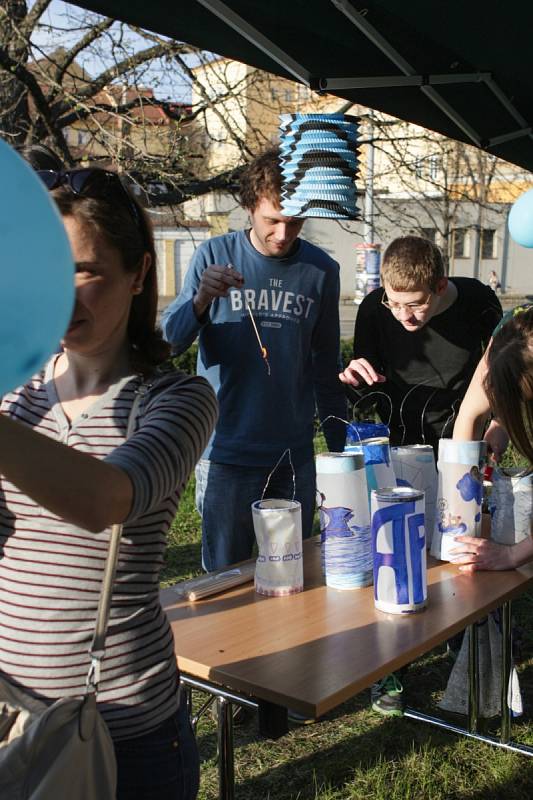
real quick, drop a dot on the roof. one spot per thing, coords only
(460, 68)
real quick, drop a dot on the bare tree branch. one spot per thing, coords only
(70, 56)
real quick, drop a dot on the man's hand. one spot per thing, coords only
(361, 371)
(216, 281)
(474, 553)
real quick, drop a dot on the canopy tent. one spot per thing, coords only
(459, 68)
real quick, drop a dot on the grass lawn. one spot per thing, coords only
(354, 754)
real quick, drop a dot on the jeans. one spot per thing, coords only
(224, 495)
(162, 764)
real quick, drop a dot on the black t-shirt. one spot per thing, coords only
(427, 371)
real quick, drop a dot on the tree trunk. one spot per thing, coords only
(14, 109)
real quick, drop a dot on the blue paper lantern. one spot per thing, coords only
(319, 164)
(521, 220)
(36, 273)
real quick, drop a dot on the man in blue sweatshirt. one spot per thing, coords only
(265, 305)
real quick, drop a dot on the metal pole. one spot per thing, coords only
(473, 679)
(226, 775)
(505, 250)
(369, 188)
(505, 733)
(512, 747)
(477, 246)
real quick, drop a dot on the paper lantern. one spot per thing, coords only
(511, 506)
(278, 531)
(414, 466)
(399, 550)
(459, 494)
(319, 164)
(344, 520)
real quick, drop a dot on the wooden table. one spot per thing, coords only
(313, 650)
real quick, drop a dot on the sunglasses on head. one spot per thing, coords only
(90, 182)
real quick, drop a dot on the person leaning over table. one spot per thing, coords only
(67, 473)
(502, 385)
(418, 340)
(291, 287)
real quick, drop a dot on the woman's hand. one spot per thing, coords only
(497, 439)
(360, 370)
(475, 553)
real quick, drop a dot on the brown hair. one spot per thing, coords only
(509, 380)
(411, 262)
(112, 216)
(261, 178)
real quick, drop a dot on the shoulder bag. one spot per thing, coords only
(64, 750)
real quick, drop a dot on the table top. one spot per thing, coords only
(313, 650)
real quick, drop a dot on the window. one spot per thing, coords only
(274, 93)
(427, 168)
(429, 233)
(288, 95)
(488, 243)
(433, 167)
(461, 243)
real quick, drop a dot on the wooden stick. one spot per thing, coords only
(215, 582)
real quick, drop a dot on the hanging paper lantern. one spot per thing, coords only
(319, 162)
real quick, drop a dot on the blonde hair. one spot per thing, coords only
(411, 262)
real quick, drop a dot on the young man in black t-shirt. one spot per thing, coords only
(419, 340)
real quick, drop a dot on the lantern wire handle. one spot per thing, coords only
(280, 459)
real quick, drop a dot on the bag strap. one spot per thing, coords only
(97, 648)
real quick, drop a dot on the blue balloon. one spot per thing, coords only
(36, 273)
(521, 220)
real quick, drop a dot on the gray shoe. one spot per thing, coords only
(386, 696)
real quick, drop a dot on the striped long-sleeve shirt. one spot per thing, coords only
(51, 571)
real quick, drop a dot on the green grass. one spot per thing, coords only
(353, 754)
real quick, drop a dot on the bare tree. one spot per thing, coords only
(104, 112)
(425, 181)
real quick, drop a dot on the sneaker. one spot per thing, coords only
(386, 698)
(299, 719)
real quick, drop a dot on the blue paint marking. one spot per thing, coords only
(401, 514)
(470, 488)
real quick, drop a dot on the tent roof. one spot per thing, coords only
(460, 68)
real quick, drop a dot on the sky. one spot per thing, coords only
(65, 19)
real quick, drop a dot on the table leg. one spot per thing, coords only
(507, 633)
(473, 679)
(226, 775)
(273, 722)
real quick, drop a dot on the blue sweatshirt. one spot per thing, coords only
(295, 303)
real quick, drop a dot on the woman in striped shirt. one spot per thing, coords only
(67, 473)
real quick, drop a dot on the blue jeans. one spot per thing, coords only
(162, 764)
(224, 495)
